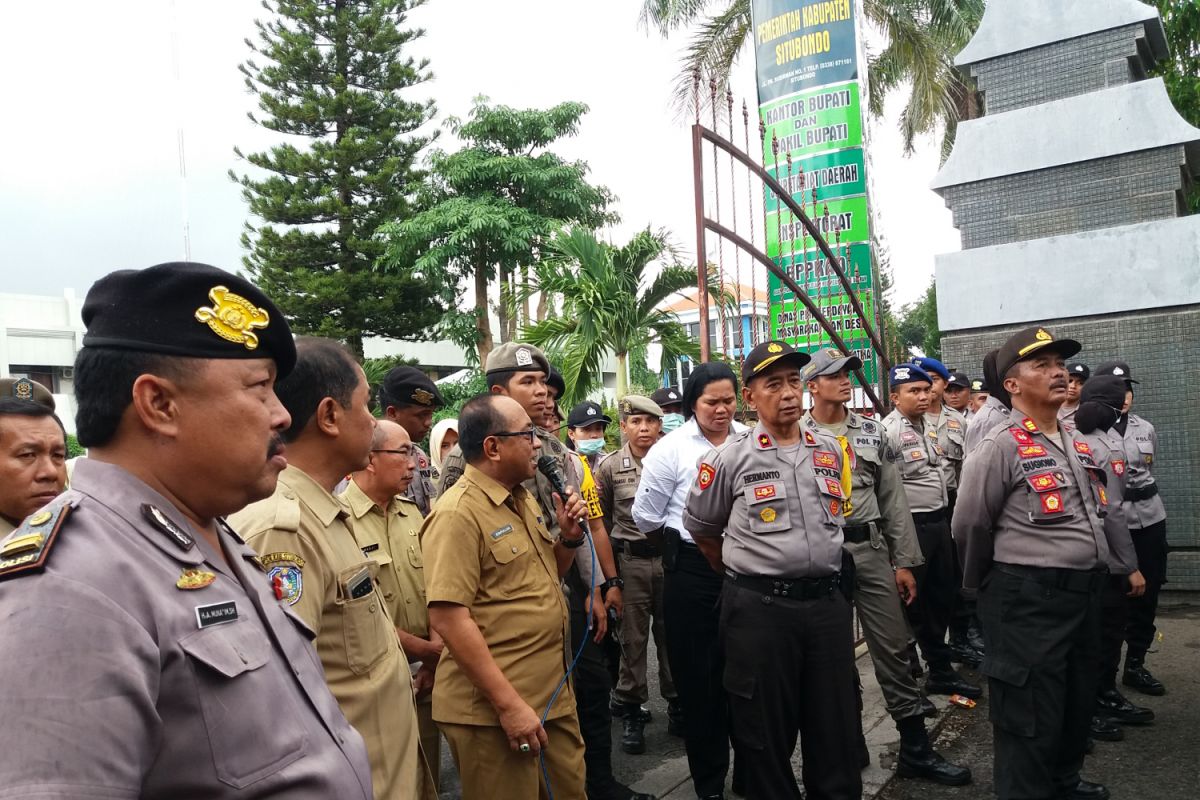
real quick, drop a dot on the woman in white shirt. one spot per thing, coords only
(691, 588)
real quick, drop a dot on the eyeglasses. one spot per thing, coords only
(531, 433)
(402, 451)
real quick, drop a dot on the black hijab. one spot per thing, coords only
(1100, 402)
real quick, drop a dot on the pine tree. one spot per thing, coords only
(333, 73)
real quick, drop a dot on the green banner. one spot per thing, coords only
(848, 214)
(813, 122)
(833, 175)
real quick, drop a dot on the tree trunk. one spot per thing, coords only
(504, 305)
(528, 279)
(355, 342)
(622, 376)
(483, 337)
(543, 298)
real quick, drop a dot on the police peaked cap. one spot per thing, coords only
(187, 309)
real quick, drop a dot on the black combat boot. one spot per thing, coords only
(1105, 730)
(1113, 705)
(944, 680)
(964, 653)
(633, 740)
(975, 636)
(623, 710)
(918, 759)
(674, 718)
(1086, 790)
(1137, 677)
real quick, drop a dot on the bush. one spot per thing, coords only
(74, 448)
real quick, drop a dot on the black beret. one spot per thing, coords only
(187, 309)
(555, 381)
(411, 387)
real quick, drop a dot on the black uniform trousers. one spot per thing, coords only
(1151, 546)
(789, 670)
(1041, 632)
(1114, 614)
(592, 688)
(937, 591)
(691, 595)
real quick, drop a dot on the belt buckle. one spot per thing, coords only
(781, 588)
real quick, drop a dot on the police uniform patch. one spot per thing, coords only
(1043, 481)
(1029, 425)
(764, 441)
(953, 424)
(824, 458)
(1082, 447)
(767, 515)
(1103, 495)
(288, 583)
(916, 455)
(809, 439)
(764, 492)
(705, 478)
(835, 507)
(282, 556)
(833, 487)
(27, 549)
(1021, 436)
(1052, 502)
(1031, 451)
(1118, 465)
(908, 437)
(869, 427)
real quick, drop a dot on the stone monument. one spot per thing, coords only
(1069, 193)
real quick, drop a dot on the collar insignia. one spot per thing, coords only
(764, 441)
(1029, 425)
(233, 317)
(193, 579)
(178, 535)
(809, 439)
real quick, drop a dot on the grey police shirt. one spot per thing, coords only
(877, 495)
(915, 450)
(778, 518)
(1032, 499)
(422, 490)
(951, 429)
(141, 664)
(991, 415)
(1107, 452)
(1140, 444)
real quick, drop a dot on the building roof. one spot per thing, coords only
(1010, 26)
(1121, 119)
(686, 300)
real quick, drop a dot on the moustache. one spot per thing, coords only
(276, 446)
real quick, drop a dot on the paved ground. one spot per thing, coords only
(1160, 762)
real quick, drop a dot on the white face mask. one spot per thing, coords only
(671, 421)
(589, 447)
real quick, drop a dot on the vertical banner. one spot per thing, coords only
(810, 100)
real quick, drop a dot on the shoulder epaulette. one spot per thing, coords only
(287, 511)
(28, 547)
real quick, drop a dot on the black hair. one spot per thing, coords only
(702, 376)
(994, 380)
(16, 407)
(324, 368)
(104, 378)
(502, 378)
(478, 420)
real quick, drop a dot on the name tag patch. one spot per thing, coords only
(499, 532)
(216, 614)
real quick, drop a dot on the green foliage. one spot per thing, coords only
(490, 209)
(922, 37)
(330, 76)
(609, 306)
(918, 326)
(1181, 73)
(74, 448)
(457, 393)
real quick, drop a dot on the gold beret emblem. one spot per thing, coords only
(233, 317)
(774, 348)
(422, 396)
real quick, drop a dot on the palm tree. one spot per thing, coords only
(608, 306)
(922, 38)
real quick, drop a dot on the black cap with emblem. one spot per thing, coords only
(1028, 343)
(587, 413)
(409, 386)
(186, 309)
(767, 355)
(959, 380)
(666, 397)
(1118, 368)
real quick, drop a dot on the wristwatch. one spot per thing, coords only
(611, 583)
(571, 544)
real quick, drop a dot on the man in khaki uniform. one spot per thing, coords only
(143, 654)
(640, 565)
(33, 451)
(305, 540)
(408, 397)
(387, 525)
(493, 570)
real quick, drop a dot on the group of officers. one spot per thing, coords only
(254, 588)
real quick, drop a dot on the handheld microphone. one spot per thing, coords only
(548, 467)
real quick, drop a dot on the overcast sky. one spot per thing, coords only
(89, 166)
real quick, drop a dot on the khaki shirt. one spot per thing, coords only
(920, 457)
(391, 538)
(487, 549)
(617, 480)
(1140, 444)
(780, 510)
(877, 495)
(991, 415)
(304, 538)
(951, 429)
(1107, 452)
(422, 490)
(119, 683)
(1032, 499)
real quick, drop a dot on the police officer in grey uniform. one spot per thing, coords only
(913, 445)
(409, 398)
(1029, 527)
(1147, 518)
(143, 651)
(1077, 375)
(994, 411)
(880, 537)
(1100, 403)
(767, 509)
